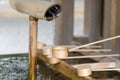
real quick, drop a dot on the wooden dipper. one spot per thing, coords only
(41, 45)
(84, 70)
(53, 60)
(60, 52)
(47, 51)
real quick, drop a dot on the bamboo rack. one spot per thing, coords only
(64, 68)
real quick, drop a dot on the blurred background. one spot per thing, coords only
(101, 21)
(14, 28)
(14, 39)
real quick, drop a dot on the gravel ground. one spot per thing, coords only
(13, 68)
(16, 68)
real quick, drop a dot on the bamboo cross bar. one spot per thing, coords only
(86, 69)
(110, 69)
(94, 46)
(93, 43)
(39, 45)
(101, 65)
(93, 56)
(87, 50)
(72, 46)
(32, 72)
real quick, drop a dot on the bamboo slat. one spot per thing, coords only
(64, 68)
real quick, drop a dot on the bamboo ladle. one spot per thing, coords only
(85, 70)
(96, 42)
(61, 52)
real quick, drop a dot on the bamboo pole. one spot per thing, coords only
(32, 48)
(93, 43)
(88, 50)
(92, 56)
(108, 66)
(95, 46)
(113, 69)
(72, 46)
(101, 65)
